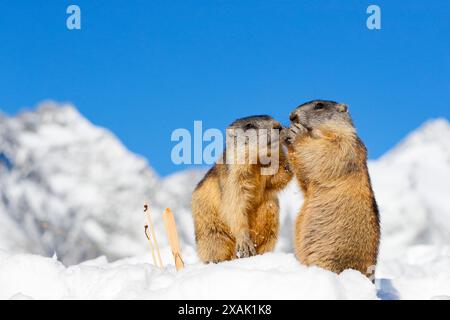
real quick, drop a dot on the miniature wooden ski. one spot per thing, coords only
(172, 234)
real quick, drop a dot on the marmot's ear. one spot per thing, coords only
(342, 107)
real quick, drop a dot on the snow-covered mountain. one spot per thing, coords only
(69, 187)
(413, 188)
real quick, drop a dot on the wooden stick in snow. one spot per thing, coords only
(151, 245)
(172, 234)
(152, 234)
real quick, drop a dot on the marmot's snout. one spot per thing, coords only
(341, 107)
(293, 117)
(300, 118)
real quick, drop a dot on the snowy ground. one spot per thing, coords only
(422, 273)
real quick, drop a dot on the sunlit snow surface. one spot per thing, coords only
(421, 273)
(71, 188)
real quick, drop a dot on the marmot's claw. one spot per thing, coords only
(295, 130)
(286, 137)
(298, 128)
(245, 248)
(290, 137)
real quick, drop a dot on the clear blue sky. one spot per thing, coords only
(144, 68)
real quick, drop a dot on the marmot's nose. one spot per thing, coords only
(293, 117)
(342, 107)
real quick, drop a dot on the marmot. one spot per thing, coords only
(338, 227)
(235, 206)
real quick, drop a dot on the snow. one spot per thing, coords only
(70, 188)
(37, 277)
(425, 274)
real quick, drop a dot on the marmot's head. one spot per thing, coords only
(322, 113)
(256, 135)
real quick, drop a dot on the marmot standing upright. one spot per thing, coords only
(235, 206)
(338, 226)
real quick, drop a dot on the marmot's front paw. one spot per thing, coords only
(293, 132)
(245, 247)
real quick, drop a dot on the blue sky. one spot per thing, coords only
(145, 68)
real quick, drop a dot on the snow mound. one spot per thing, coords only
(422, 273)
(271, 276)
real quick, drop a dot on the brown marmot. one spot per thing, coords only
(235, 206)
(338, 227)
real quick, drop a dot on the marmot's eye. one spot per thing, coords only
(319, 106)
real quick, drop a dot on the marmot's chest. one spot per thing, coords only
(257, 190)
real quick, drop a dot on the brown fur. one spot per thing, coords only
(338, 226)
(235, 209)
